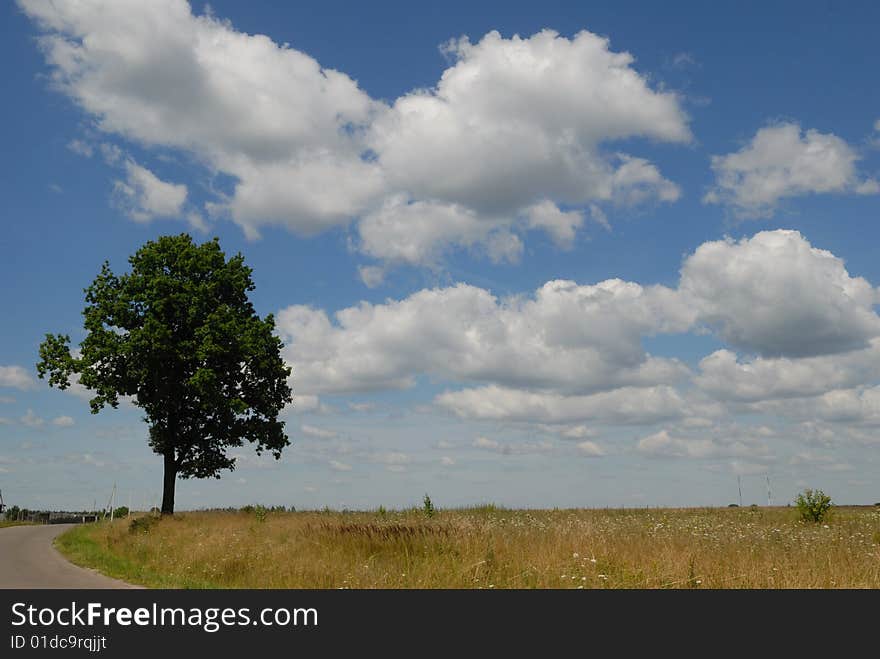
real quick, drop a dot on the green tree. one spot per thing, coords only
(813, 505)
(179, 336)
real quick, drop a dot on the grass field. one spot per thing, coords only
(489, 548)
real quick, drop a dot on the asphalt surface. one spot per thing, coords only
(29, 560)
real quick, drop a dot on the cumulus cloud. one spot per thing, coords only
(486, 443)
(318, 433)
(822, 461)
(571, 354)
(63, 421)
(560, 225)
(783, 161)
(16, 377)
(419, 232)
(590, 449)
(579, 431)
(513, 122)
(857, 406)
(727, 376)
(739, 445)
(144, 197)
(776, 295)
(392, 459)
(267, 114)
(566, 337)
(623, 406)
(31, 420)
(512, 448)
(371, 275)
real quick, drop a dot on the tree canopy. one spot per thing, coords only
(179, 336)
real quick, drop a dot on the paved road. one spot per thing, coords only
(28, 560)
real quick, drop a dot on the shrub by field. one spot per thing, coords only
(489, 547)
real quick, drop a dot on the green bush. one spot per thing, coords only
(428, 506)
(143, 524)
(813, 505)
(122, 511)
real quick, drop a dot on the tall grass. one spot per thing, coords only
(489, 547)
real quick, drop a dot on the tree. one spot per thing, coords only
(179, 336)
(813, 505)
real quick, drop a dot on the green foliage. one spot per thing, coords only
(12, 513)
(428, 506)
(813, 505)
(142, 524)
(382, 512)
(260, 513)
(178, 335)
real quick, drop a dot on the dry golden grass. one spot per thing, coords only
(492, 548)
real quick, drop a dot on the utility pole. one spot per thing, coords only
(769, 498)
(112, 501)
(740, 487)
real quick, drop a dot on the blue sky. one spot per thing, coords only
(612, 254)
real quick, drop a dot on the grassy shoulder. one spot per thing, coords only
(4, 524)
(91, 546)
(488, 547)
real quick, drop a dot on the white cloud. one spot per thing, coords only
(305, 403)
(567, 337)
(419, 232)
(858, 406)
(780, 162)
(392, 458)
(664, 444)
(561, 226)
(371, 275)
(728, 377)
(512, 448)
(318, 433)
(624, 406)
(572, 432)
(31, 420)
(446, 461)
(637, 181)
(822, 461)
(81, 148)
(776, 295)
(486, 443)
(590, 449)
(63, 421)
(144, 197)
(517, 120)
(513, 122)
(335, 465)
(571, 355)
(16, 377)
(266, 114)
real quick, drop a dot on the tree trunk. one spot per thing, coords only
(169, 483)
